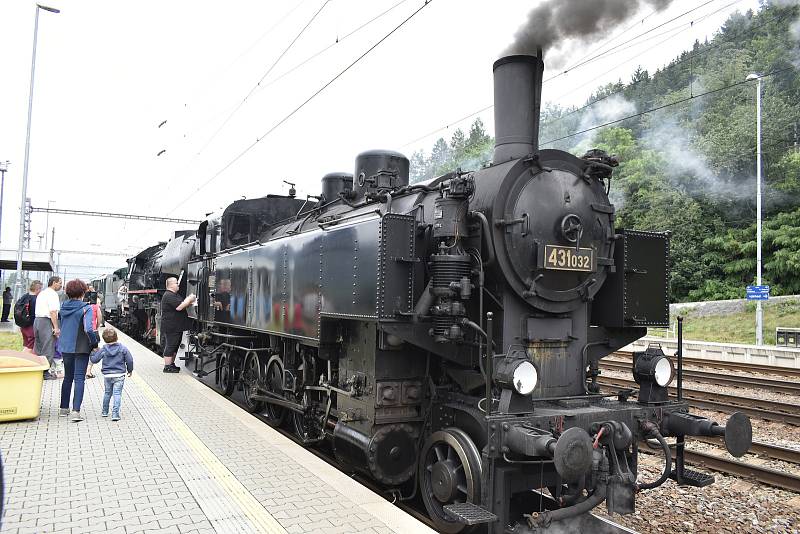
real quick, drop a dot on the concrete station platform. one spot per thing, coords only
(183, 459)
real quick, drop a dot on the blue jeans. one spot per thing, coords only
(74, 371)
(113, 387)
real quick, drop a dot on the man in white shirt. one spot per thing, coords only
(45, 325)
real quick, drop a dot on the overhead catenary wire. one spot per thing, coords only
(689, 57)
(592, 58)
(663, 106)
(256, 86)
(337, 41)
(618, 36)
(303, 104)
(218, 74)
(301, 64)
(312, 56)
(465, 117)
(579, 64)
(490, 106)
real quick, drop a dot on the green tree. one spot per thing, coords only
(419, 167)
(477, 135)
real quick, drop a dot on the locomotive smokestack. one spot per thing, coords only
(517, 98)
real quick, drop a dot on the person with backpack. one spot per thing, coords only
(45, 324)
(7, 298)
(77, 340)
(24, 312)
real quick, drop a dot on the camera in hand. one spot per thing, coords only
(90, 297)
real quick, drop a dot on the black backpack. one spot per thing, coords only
(23, 314)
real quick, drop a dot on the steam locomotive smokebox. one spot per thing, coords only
(637, 292)
(380, 169)
(334, 183)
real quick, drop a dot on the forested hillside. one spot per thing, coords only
(688, 156)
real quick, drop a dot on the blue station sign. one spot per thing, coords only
(757, 292)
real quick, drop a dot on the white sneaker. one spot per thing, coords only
(63, 412)
(76, 417)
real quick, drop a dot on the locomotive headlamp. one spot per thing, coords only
(663, 371)
(653, 371)
(519, 374)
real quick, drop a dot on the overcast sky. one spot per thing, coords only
(109, 72)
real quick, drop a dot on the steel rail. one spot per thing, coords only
(731, 366)
(765, 475)
(759, 408)
(758, 473)
(767, 450)
(707, 377)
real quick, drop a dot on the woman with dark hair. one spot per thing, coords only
(78, 339)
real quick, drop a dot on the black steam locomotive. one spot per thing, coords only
(444, 337)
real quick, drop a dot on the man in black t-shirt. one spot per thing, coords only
(174, 320)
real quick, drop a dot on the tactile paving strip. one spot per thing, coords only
(227, 504)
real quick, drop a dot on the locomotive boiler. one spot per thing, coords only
(444, 337)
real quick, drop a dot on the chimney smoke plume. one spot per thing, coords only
(555, 26)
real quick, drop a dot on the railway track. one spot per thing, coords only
(771, 452)
(788, 372)
(706, 377)
(759, 408)
(758, 473)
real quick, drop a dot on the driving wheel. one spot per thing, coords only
(273, 382)
(225, 373)
(449, 472)
(307, 425)
(251, 378)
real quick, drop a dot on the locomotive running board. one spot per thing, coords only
(468, 513)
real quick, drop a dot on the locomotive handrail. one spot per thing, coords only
(237, 247)
(231, 336)
(247, 349)
(486, 230)
(323, 225)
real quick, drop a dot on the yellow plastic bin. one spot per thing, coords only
(20, 385)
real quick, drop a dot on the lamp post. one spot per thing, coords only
(18, 285)
(3, 169)
(759, 316)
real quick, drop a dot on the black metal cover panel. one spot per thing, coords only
(359, 269)
(349, 269)
(396, 282)
(646, 301)
(637, 294)
(284, 285)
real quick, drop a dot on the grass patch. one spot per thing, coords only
(10, 341)
(738, 327)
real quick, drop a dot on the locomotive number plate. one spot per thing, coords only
(568, 258)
